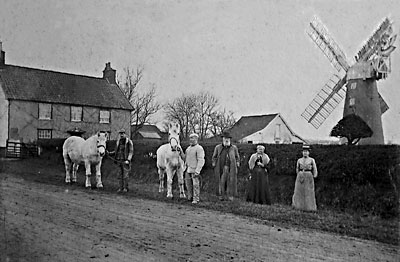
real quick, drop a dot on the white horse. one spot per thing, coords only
(77, 150)
(169, 161)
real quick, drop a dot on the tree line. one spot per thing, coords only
(195, 112)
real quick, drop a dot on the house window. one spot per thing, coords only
(44, 134)
(104, 116)
(76, 113)
(353, 85)
(44, 111)
(277, 135)
(352, 101)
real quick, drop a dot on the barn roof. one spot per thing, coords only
(30, 84)
(248, 125)
(154, 135)
(149, 128)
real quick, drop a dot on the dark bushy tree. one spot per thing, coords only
(353, 128)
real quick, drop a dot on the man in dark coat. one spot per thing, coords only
(123, 155)
(226, 161)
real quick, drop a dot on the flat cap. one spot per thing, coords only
(194, 135)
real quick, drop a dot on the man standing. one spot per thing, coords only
(226, 161)
(123, 155)
(194, 161)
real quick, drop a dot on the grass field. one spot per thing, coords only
(361, 225)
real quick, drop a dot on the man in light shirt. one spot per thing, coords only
(194, 161)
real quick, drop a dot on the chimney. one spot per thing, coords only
(109, 74)
(2, 56)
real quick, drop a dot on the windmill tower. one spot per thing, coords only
(361, 95)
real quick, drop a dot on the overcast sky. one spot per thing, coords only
(254, 55)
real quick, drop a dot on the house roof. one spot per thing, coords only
(30, 84)
(149, 128)
(248, 125)
(154, 135)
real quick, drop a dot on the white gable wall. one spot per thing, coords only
(275, 132)
(3, 118)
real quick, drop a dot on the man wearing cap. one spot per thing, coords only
(123, 155)
(194, 159)
(226, 161)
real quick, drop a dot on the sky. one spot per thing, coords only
(255, 56)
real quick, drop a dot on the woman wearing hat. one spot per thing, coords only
(259, 188)
(306, 170)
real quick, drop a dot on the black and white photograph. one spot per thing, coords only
(199, 130)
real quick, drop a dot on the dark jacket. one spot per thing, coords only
(128, 152)
(234, 157)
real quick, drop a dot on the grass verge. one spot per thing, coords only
(359, 225)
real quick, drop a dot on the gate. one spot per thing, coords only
(16, 149)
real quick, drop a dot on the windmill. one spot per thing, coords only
(361, 95)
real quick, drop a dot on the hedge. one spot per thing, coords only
(351, 178)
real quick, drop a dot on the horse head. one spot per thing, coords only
(173, 135)
(101, 143)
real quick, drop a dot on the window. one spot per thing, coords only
(44, 111)
(104, 116)
(76, 113)
(352, 101)
(277, 135)
(353, 85)
(44, 133)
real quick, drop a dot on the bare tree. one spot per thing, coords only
(183, 111)
(221, 121)
(198, 113)
(205, 108)
(144, 104)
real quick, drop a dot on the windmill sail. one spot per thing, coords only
(374, 42)
(325, 101)
(319, 34)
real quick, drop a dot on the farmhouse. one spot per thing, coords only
(40, 104)
(269, 129)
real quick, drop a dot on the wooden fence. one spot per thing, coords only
(21, 150)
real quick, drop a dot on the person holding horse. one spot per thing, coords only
(226, 161)
(194, 163)
(123, 156)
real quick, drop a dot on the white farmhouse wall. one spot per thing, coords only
(276, 132)
(3, 118)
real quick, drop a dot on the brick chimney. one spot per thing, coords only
(2, 56)
(109, 74)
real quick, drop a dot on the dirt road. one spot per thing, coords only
(43, 222)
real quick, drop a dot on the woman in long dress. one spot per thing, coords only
(259, 187)
(304, 195)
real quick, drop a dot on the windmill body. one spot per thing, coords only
(359, 85)
(362, 99)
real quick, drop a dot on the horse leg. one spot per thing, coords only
(170, 176)
(99, 184)
(179, 172)
(67, 162)
(161, 174)
(88, 174)
(74, 171)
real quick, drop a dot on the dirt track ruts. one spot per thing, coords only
(42, 222)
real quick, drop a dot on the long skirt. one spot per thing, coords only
(304, 195)
(259, 187)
